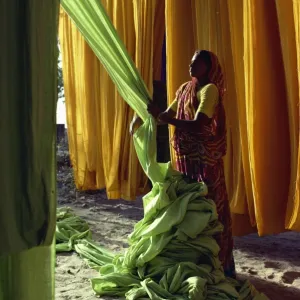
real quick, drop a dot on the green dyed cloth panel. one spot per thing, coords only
(28, 96)
(28, 93)
(28, 275)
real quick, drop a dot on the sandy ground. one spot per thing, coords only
(271, 263)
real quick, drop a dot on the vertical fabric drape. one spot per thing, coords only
(266, 113)
(101, 148)
(242, 204)
(288, 17)
(28, 93)
(180, 46)
(257, 44)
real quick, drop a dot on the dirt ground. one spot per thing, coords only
(271, 263)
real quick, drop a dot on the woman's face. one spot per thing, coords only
(198, 67)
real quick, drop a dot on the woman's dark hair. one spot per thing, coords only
(205, 55)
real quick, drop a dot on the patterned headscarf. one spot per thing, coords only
(216, 77)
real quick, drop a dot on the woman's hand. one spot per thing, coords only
(164, 117)
(153, 110)
(135, 124)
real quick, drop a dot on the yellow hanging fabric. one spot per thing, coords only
(216, 17)
(288, 17)
(180, 46)
(267, 119)
(101, 149)
(259, 48)
(243, 221)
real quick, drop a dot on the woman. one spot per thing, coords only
(200, 138)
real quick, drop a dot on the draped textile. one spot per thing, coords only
(262, 100)
(101, 148)
(180, 47)
(167, 257)
(28, 94)
(288, 18)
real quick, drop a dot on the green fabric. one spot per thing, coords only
(28, 96)
(28, 93)
(172, 253)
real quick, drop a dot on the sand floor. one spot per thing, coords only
(271, 263)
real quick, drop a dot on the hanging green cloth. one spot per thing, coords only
(28, 93)
(172, 253)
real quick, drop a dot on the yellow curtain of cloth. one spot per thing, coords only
(258, 45)
(288, 16)
(101, 148)
(180, 46)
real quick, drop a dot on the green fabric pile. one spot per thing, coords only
(172, 252)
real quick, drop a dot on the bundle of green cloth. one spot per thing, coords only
(172, 251)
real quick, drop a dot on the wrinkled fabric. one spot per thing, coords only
(172, 251)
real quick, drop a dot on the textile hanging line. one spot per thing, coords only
(168, 224)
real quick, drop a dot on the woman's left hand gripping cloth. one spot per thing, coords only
(172, 253)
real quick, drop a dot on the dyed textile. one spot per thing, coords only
(28, 93)
(200, 155)
(172, 253)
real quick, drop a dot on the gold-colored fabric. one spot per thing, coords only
(288, 17)
(180, 47)
(101, 148)
(258, 44)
